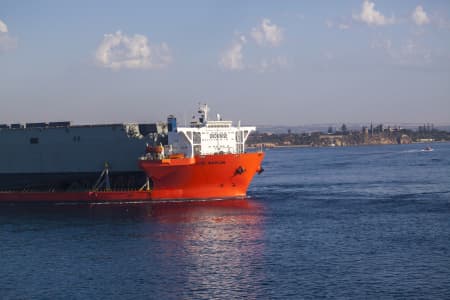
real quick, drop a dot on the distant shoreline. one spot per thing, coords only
(344, 146)
(377, 135)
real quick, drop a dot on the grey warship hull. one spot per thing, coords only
(75, 181)
(61, 157)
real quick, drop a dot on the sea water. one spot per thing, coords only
(351, 222)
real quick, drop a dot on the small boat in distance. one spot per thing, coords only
(427, 149)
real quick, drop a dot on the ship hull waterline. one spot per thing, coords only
(75, 197)
(224, 176)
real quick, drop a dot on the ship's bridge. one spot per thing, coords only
(206, 137)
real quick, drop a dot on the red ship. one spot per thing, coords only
(204, 161)
(208, 176)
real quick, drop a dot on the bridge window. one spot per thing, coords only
(197, 138)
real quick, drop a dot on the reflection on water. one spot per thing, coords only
(161, 212)
(193, 249)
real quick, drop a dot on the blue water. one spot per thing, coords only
(357, 222)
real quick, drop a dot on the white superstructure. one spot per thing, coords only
(206, 137)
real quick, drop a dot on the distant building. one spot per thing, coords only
(365, 130)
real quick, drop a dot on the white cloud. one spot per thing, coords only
(411, 53)
(344, 25)
(419, 16)
(329, 24)
(118, 51)
(407, 53)
(267, 34)
(3, 27)
(6, 41)
(232, 59)
(370, 16)
(268, 64)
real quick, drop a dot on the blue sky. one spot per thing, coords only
(263, 62)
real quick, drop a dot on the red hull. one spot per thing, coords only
(203, 177)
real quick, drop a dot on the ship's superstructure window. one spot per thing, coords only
(197, 138)
(34, 140)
